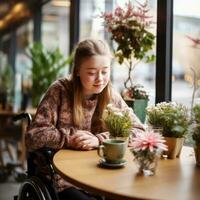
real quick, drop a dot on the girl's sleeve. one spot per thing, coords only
(43, 131)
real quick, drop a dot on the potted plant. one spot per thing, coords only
(140, 97)
(172, 118)
(147, 149)
(117, 121)
(6, 85)
(46, 68)
(196, 132)
(129, 28)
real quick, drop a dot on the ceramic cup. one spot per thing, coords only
(113, 151)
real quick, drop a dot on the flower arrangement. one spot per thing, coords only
(146, 149)
(117, 121)
(136, 92)
(171, 117)
(129, 28)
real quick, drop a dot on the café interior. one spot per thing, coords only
(61, 24)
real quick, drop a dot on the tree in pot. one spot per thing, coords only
(46, 68)
(173, 121)
(129, 28)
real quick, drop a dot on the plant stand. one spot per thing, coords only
(174, 147)
(139, 107)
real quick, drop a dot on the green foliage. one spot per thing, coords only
(118, 122)
(6, 86)
(46, 68)
(6, 79)
(129, 29)
(171, 117)
(196, 113)
(196, 125)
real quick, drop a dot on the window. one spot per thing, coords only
(185, 53)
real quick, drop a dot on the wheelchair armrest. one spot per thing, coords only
(22, 116)
(46, 153)
(49, 153)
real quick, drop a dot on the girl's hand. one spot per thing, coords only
(84, 140)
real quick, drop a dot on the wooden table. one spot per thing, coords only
(177, 179)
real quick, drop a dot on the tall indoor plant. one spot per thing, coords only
(129, 28)
(46, 68)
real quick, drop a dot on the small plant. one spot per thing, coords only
(117, 121)
(147, 148)
(136, 92)
(171, 117)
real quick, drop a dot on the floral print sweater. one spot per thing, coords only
(53, 126)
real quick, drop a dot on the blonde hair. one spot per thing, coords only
(83, 51)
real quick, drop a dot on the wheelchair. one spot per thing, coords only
(36, 187)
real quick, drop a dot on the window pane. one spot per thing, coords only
(90, 23)
(55, 25)
(185, 51)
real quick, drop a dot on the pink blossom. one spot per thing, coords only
(150, 140)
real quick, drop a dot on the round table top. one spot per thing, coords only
(177, 179)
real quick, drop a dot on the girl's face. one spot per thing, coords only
(94, 74)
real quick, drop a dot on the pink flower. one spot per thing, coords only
(150, 140)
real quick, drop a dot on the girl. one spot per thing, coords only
(69, 116)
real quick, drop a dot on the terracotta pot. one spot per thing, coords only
(197, 154)
(174, 147)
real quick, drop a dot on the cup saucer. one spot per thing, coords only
(103, 163)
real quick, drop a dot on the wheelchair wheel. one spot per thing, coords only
(33, 189)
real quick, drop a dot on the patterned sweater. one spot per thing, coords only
(53, 125)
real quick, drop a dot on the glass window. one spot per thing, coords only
(186, 51)
(22, 66)
(90, 23)
(55, 25)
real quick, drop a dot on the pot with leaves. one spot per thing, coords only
(196, 132)
(46, 68)
(137, 98)
(172, 118)
(117, 122)
(130, 30)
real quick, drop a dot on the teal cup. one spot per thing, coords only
(113, 151)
